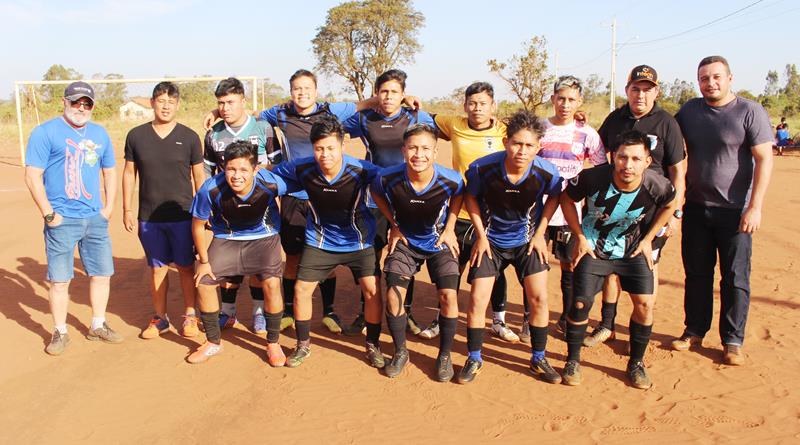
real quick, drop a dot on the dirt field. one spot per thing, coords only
(144, 391)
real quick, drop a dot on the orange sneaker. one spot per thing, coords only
(275, 356)
(189, 328)
(156, 327)
(204, 352)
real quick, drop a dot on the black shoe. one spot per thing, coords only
(300, 353)
(637, 375)
(375, 356)
(572, 373)
(544, 371)
(398, 363)
(357, 327)
(444, 368)
(471, 368)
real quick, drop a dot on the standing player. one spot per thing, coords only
(642, 113)
(504, 198)
(339, 231)
(237, 125)
(241, 206)
(729, 143)
(420, 200)
(167, 157)
(626, 205)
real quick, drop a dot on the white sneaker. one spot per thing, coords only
(500, 329)
(432, 331)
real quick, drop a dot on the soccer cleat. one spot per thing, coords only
(275, 356)
(375, 356)
(397, 364)
(444, 368)
(733, 355)
(525, 332)
(599, 335)
(685, 341)
(471, 368)
(544, 371)
(502, 331)
(58, 343)
(637, 375)
(286, 321)
(357, 327)
(259, 324)
(190, 328)
(104, 333)
(156, 327)
(300, 353)
(332, 322)
(572, 373)
(204, 352)
(412, 325)
(227, 321)
(432, 331)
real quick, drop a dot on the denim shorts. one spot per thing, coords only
(167, 242)
(94, 246)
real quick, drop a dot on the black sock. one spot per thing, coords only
(288, 296)
(397, 327)
(211, 325)
(474, 339)
(538, 339)
(566, 293)
(327, 288)
(273, 326)
(257, 293)
(373, 332)
(303, 330)
(447, 331)
(409, 296)
(228, 295)
(574, 336)
(640, 337)
(499, 295)
(608, 313)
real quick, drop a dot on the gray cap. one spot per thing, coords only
(76, 90)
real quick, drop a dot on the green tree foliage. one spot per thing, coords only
(50, 93)
(772, 87)
(362, 39)
(109, 96)
(527, 74)
(593, 87)
(679, 91)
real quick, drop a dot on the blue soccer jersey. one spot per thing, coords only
(338, 217)
(382, 135)
(421, 215)
(251, 217)
(510, 212)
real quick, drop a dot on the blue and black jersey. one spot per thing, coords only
(338, 217)
(421, 215)
(382, 135)
(252, 217)
(510, 212)
(615, 221)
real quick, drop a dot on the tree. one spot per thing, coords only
(679, 91)
(362, 39)
(110, 96)
(57, 72)
(592, 87)
(772, 83)
(527, 74)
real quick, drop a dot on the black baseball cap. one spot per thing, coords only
(76, 90)
(643, 72)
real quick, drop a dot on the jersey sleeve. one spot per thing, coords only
(196, 155)
(287, 171)
(270, 115)
(425, 118)
(343, 110)
(758, 129)
(445, 125)
(371, 169)
(129, 147)
(473, 180)
(209, 157)
(108, 160)
(595, 149)
(602, 132)
(662, 189)
(37, 154)
(352, 125)
(674, 150)
(554, 184)
(201, 204)
(577, 186)
(268, 176)
(377, 185)
(272, 154)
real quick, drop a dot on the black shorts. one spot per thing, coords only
(406, 261)
(294, 214)
(563, 242)
(635, 276)
(518, 257)
(316, 264)
(464, 236)
(381, 232)
(231, 259)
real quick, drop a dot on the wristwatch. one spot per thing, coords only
(678, 213)
(49, 217)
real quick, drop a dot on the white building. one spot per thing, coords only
(136, 109)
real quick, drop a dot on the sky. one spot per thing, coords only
(154, 38)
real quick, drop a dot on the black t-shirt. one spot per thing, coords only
(164, 167)
(657, 124)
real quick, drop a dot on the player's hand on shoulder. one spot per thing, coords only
(413, 102)
(210, 119)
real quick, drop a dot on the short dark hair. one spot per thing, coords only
(396, 75)
(479, 87)
(228, 86)
(524, 120)
(242, 149)
(303, 73)
(416, 129)
(714, 59)
(325, 126)
(168, 88)
(634, 137)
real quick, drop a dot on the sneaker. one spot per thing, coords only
(432, 331)
(259, 324)
(733, 355)
(502, 331)
(275, 356)
(332, 322)
(190, 328)
(599, 335)
(227, 321)
(58, 343)
(104, 333)
(686, 341)
(525, 332)
(156, 327)
(286, 321)
(300, 353)
(398, 363)
(444, 368)
(375, 356)
(546, 372)
(413, 326)
(357, 327)
(204, 352)
(637, 375)
(471, 368)
(572, 373)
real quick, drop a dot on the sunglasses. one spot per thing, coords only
(87, 104)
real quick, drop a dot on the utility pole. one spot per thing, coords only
(612, 92)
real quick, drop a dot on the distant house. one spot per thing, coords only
(136, 109)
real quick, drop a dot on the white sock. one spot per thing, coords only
(258, 307)
(229, 309)
(500, 316)
(97, 322)
(62, 328)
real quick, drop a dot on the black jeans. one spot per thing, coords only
(706, 232)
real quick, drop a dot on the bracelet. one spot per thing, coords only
(203, 262)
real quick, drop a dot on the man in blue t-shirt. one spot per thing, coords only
(65, 159)
(420, 201)
(504, 198)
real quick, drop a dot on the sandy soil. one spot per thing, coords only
(144, 391)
